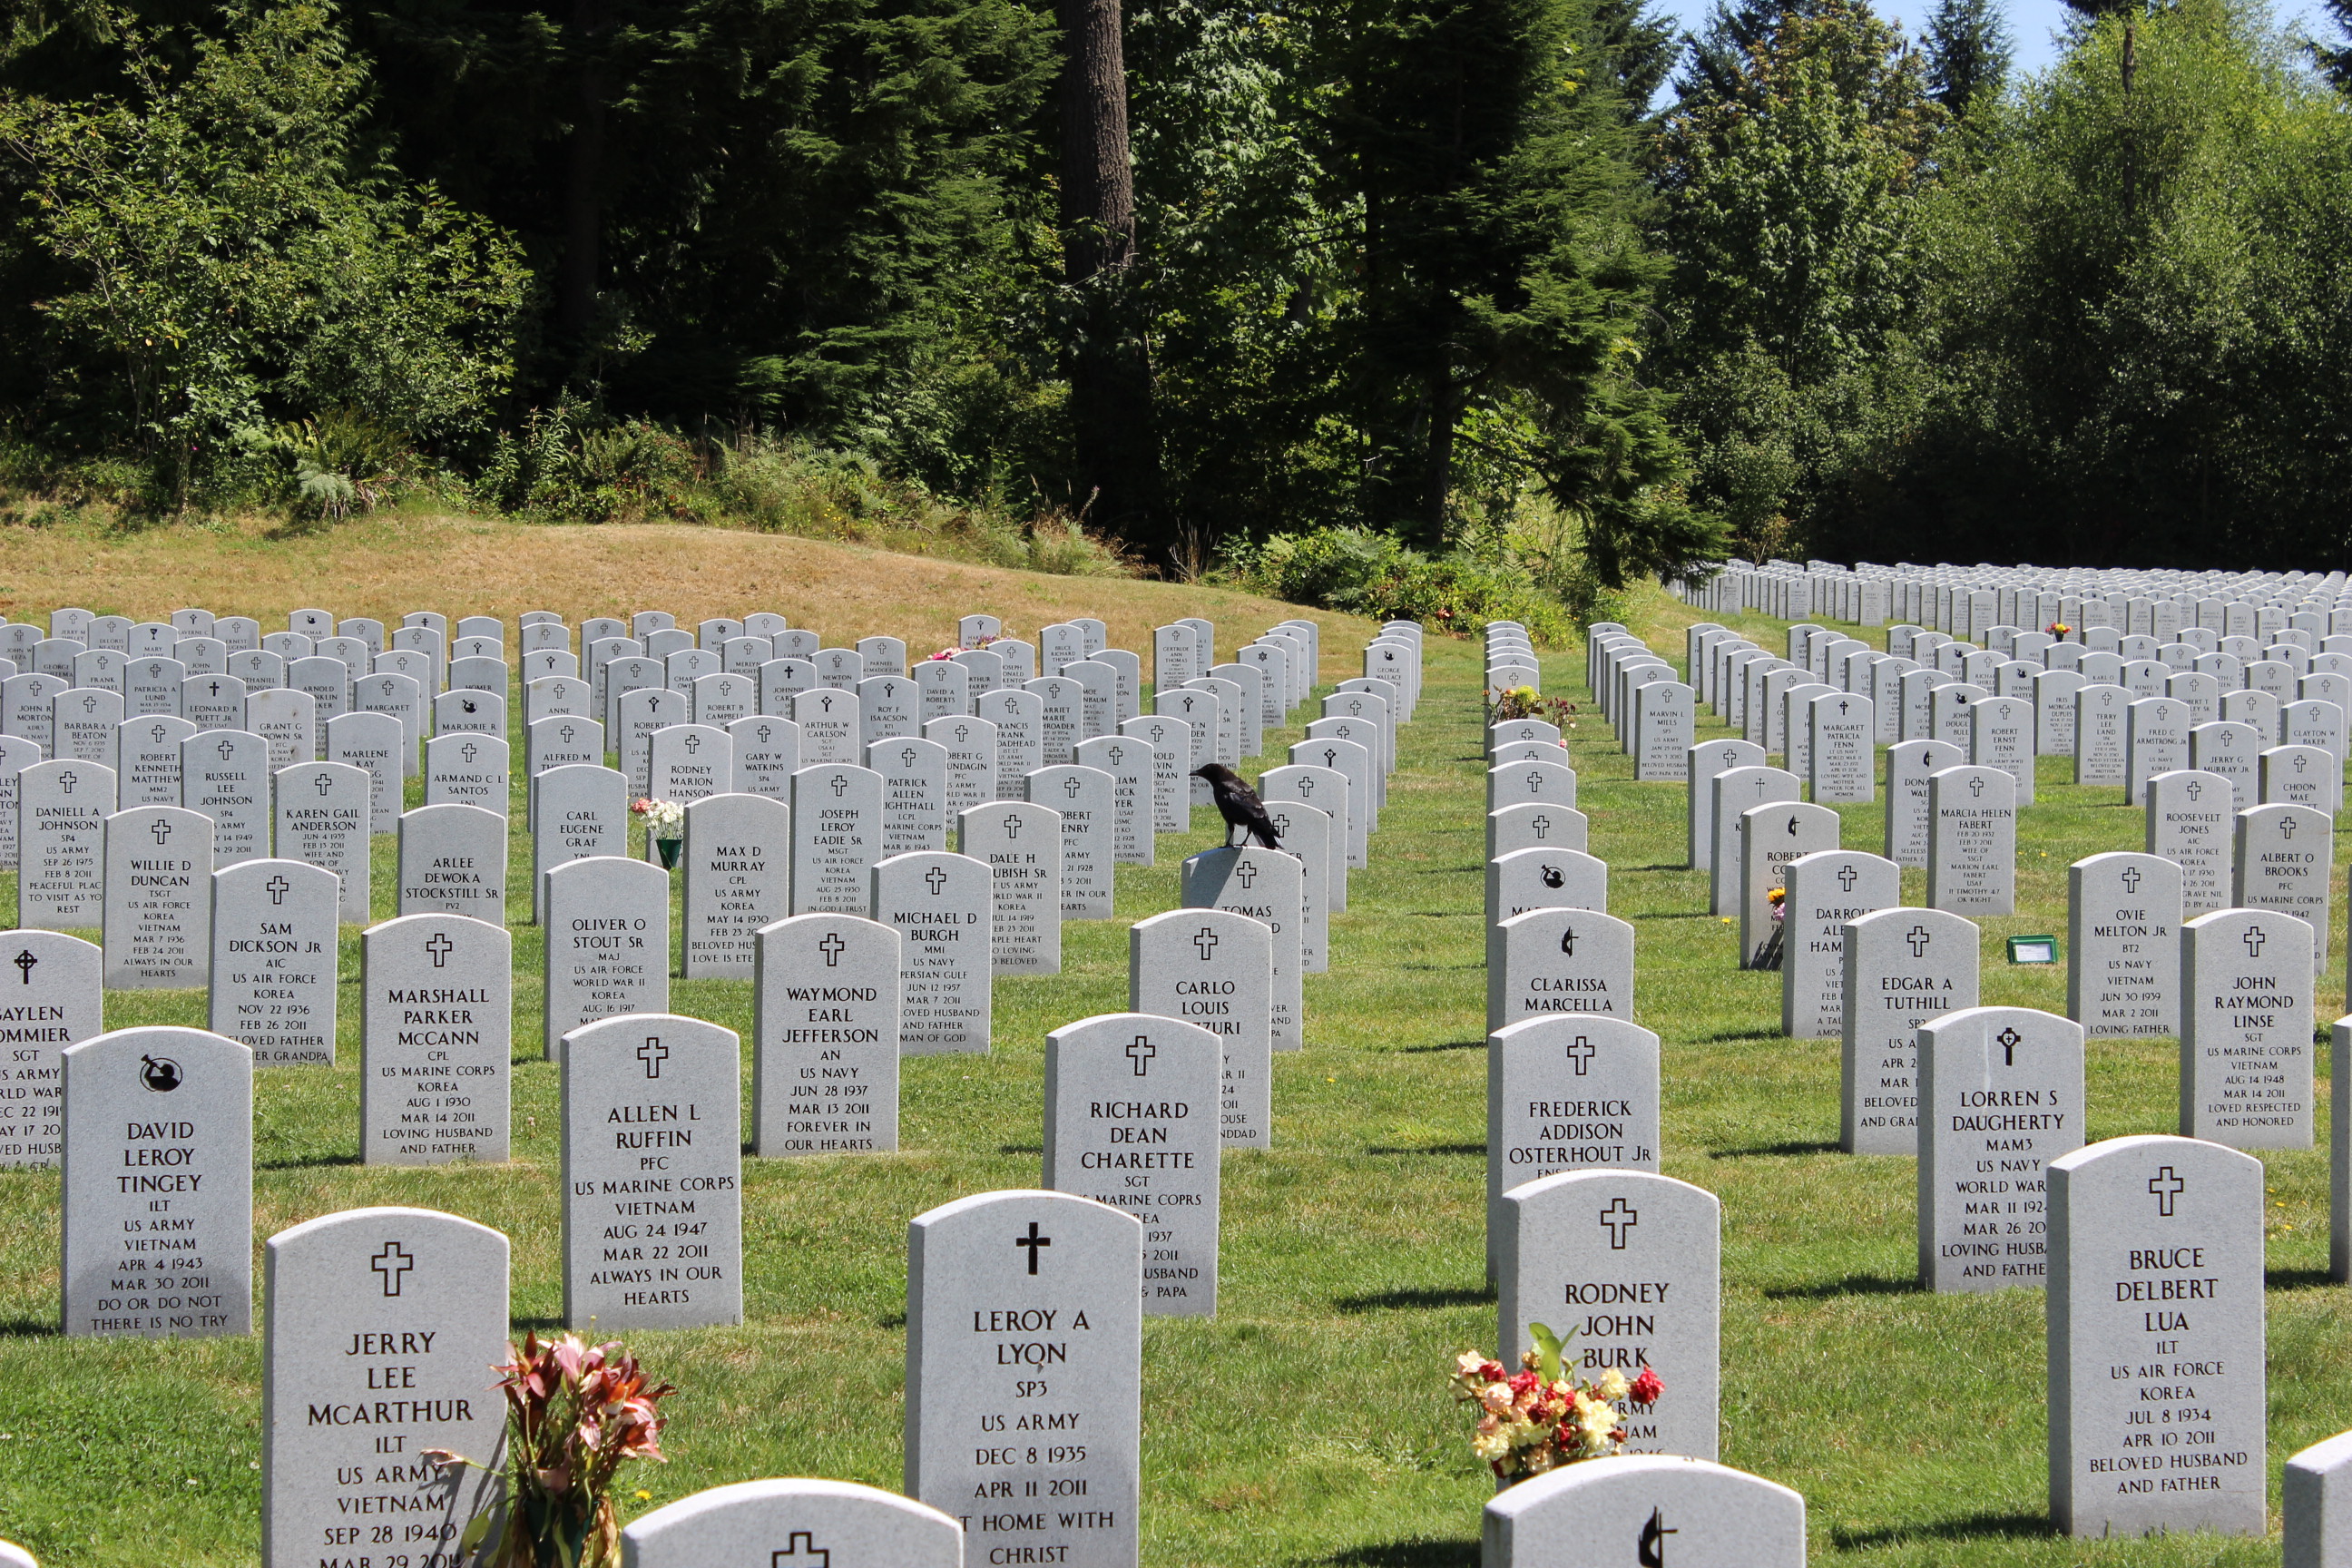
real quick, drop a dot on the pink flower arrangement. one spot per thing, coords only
(1538, 1418)
(575, 1413)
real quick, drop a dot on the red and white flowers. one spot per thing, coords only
(1536, 1419)
(575, 1413)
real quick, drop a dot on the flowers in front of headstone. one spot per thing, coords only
(2058, 629)
(1527, 702)
(575, 1414)
(1538, 1418)
(663, 818)
(664, 823)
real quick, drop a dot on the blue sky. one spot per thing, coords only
(2034, 23)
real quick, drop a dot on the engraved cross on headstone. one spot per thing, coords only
(392, 1262)
(2008, 1041)
(833, 947)
(2254, 938)
(1013, 826)
(439, 945)
(840, 785)
(24, 961)
(1620, 1217)
(653, 1053)
(324, 785)
(1206, 940)
(278, 886)
(1032, 1241)
(935, 880)
(2130, 879)
(801, 1551)
(2166, 1185)
(1582, 1052)
(1847, 878)
(1918, 937)
(161, 830)
(1141, 1053)
(1245, 873)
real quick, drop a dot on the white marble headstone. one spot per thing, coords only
(1826, 889)
(157, 1185)
(836, 836)
(1131, 1121)
(453, 857)
(940, 906)
(2123, 944)
(2156, 1312)
(2000, 1096)
(1902, 968)
(159, 863)
(1972, 842)
(2246, 1030)
(1551, 962)
(1023, 845)
(57, 999)
(1024, 1321)
(653, 1205)
(436, 1038)
(1626, 1268)
(793, 1524)
(738, 861)
(607, 944)
(378, 1326)
(1645, 1509)
(1269, 887)
(274, 951)
(825, 1064)
(1214, 968)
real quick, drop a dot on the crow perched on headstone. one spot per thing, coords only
(1239, 805)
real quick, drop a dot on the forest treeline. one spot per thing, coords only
(1530, 292)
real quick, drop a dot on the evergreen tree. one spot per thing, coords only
(1503, 273)
(1969, 52)
(2335, 64)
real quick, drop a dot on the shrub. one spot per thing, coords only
(1372, 573)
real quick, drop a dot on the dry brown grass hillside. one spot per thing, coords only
(382, 567)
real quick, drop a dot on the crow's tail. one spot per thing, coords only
(1262, 831)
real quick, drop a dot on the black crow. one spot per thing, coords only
(1239, 805)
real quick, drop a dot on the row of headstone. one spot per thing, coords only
(2274, 746)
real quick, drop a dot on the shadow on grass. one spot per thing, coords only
(1413, 1301)
(1778, 1151)
(1852, 1285)
(1726, 1034)
(1477, 1149)
(1407, 1554)
(891, 1320)
(1976, 1526)
(540, 1325)
(305, 1161)
(1448, 1045)
(1020, 1148)
(28, 1328)
(2295, 1280)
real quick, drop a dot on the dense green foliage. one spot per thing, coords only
(2095, 317)
(1437, 272)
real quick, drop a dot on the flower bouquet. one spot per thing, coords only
(2058, 629)
(1527, 702)
(574, 1415)
(665, 821)
(1538, 1418)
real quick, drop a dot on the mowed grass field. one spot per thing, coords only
(1309, 1423)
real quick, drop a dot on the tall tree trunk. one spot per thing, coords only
(1437, 471)
(1118, 448)
(579, 272)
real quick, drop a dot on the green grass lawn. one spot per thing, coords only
(1309, 1422)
